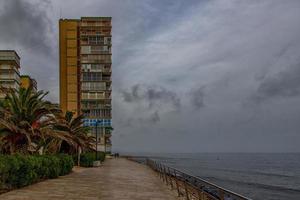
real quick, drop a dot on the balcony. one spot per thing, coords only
(107, 96)
(9, 67)
(106, 78)
(95, 39)
(86, 50)
(9, 84)
(10, 76)
(91, 89)
(100, 61)
(96, 23)
(91, 78)
(93, 106)
(95, 95)
(84, 34)
(107, 71)
(84, 42)
(95, 116)
(10, 57)
(105, 102)
(108, 134)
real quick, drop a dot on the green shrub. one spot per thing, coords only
(87, 159)
(66, 164)
(21, 170)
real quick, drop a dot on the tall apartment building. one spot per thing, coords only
(9, 71)
(28, 82)
(85, 72)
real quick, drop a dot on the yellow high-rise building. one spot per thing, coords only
(85, 72)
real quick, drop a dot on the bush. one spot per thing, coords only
(21, 170)
(87, 159)
(66, 164)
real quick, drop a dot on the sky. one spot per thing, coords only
(188, 75)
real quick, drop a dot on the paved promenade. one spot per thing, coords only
(118, 179)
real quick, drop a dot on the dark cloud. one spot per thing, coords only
(153, 96)
(283, 84)
(132, 95)
(197, 97)
(155, 117)
(26, 25)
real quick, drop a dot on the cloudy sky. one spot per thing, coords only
(188, 75)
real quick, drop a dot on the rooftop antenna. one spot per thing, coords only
(60, 13)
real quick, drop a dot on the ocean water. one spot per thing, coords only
(259, 176)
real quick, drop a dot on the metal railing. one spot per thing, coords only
(189, 186)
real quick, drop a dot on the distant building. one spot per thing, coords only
(85, 72)
(28, 82)
(9, 71)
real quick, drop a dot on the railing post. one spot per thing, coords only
(176, 181)
(221, 194)
(186, 191)
(190, 187)
(170, 176)
(162, 173)
(199, 194)
(166, 176)
(156, 167)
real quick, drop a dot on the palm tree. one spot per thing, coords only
(79, 134)
(26, 119)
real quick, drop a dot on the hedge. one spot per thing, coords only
(20, 170)
(87, 159)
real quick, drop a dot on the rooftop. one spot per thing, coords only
(10, 51)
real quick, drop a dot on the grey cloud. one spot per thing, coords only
(152, 95)
(26, 24)
(132, 95)
(283, 84)
(197, 97)
(155, 117)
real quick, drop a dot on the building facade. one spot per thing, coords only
(28, 82)
(85, 73)
(9, 71)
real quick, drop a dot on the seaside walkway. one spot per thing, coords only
(117, 179)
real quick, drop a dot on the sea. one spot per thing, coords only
(259, 176)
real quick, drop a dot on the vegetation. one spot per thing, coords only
(87, 159)
(78, 133)
(21, 170)
(31, 125)
(38, 141)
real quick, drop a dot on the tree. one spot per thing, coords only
(26, 119)
(79, 134)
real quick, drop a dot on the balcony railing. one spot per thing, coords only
(101, 24)
(106, 78)
(92, 106)
(10, 58)
(95, 96)
(101, 43)
(108, 61)
(89, 88)
(88, 115)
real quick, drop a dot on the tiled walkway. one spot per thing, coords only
(118, 179)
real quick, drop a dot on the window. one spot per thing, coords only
(85, 49)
